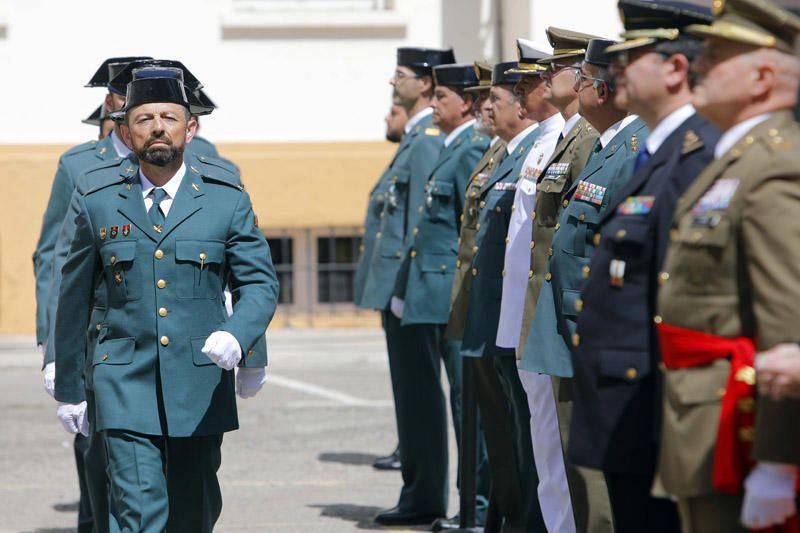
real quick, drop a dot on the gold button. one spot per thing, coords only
(657, 319)
(413, 254)
(579, 305)
(550, 252)
(161, 284)
(443, 267)
(105, 357)
(98, 327)
(415, 231)
(507, 240)
(747, 434)
(394, 178)
(631, 373)
(398, 253)
(596, 239)
(164, 340)
(565, 203)
(585, 271)
(474, 271)
(474, 249)
(482, 204)
(533, 245)
(361, 248)
(582, 217)
(621, 233)
(721, 392)
(162, 311)
(745, 405)
(478, 225)
(663, 277)
(576, 340)
(498, 209)
(458, 263)
(558, 225)
(159, 254)
(513, 207)
(673, 235)
(533, 215)
(548, 276)
(530, 274)
(250, 353)
(697, 236)
(461, 218)
(504, 273)
(113, 259)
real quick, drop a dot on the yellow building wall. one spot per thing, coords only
(304, 185)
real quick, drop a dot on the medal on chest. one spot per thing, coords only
(590, 192)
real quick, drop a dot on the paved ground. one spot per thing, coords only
(300, 462)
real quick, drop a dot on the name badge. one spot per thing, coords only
(717, 197)
(590, 192)
(636, 205)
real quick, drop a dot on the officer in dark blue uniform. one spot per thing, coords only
(617, 385)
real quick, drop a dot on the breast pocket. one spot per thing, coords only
(549, 194)
(629, 235)
(440, 202)
(123, 280)
(583, 218)
(705, 239)
(200, 266)
(498, 215)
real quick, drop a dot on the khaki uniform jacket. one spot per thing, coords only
(566, 163)
(467, 240)
(732, 269)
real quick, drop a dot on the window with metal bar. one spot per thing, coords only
(337, 259)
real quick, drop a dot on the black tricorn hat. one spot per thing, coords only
(125, 75)
(160, 85)
(96, 117)
(424, 58)
(506, 73)
(110, 68)
(455, 76)
(204, 99)
(596, 52)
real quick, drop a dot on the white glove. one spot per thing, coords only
(396, 305)
(223, 348)
(228, 301)
(73, 417)
(249, 381)
(769, 495)
(50, 378)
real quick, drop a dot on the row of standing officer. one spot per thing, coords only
(618, 133)
(98, 510)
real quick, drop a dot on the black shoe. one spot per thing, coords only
(444, 524)
(396, 517)
(390, 462)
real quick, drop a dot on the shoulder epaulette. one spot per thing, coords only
(216, 170)
(691, 142)
(777, 142)
(79, 149)
(433, 132)
(101, 175)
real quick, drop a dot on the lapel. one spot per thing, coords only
(188, 200)
(495, 151)
(132, 205)
(405, 142)
(663, 155)
(512, 160)
(448, 152)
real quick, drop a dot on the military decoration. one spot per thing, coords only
(636, 205)
(114, 231)
(126, 230)
(717, 197)
(508, 186)
(103, 233)
(634, 143)
(616, 271)
(556, 170)
(590, 192)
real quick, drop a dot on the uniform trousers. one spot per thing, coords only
(85, 521)
(95, 476)
(587, 486)
(717, 513)
(553, 490)
(416, 355)
(164, 483)
(530, 518)
(636, 509)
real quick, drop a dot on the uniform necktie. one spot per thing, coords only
(641, 159)
(155, 213)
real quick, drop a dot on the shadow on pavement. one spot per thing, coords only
(362, 515)
(66, 507)
(348, 458)
(54, 530)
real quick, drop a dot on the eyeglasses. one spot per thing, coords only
(555, 68)
(400, 75)
(580, 77)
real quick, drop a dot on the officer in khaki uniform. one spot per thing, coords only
(422, 303)
(731, 281)
(466, 240)
(161, 370)
(498, 390)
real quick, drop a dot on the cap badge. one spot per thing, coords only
(717, 7)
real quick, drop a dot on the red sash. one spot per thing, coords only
(686, 348)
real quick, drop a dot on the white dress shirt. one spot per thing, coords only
(517, 262)
(120, 147)
(171, 188)
(732, 136)
(456, 132)
(569, 124)
(413, 121)
(667, 125)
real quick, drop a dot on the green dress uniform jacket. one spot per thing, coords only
(425, 280)
(70, 165)
(566, 163)
(486, 268)
(411, 168)
(165, 296)
(467, 240)
(732, 269)
(547, 349)
(372, 223)
(202, 146)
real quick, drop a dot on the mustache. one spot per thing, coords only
(158, 138)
